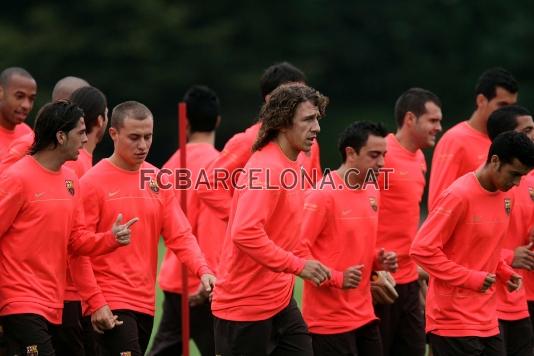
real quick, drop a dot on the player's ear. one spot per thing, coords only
(61, 137)
(113, 132)
(481, 100)
(495, 162)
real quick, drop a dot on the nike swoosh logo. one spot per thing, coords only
(38, 195)
(112, 194)
(345, 212)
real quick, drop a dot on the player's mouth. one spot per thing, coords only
(20, 116)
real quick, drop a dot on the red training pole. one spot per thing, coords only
(182, 140)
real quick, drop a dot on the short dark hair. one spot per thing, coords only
(495, 77)
(505, 119)
(93, 103)
(413, 100)
(357, 134)
(53, 117)
(203, 108)
(278, 74)
(512, 145)
(7, 73)
(132, 109)
(279, 111)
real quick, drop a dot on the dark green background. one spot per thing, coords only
(361, 54)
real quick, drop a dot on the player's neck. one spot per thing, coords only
(6, 124)
(286, 147)
(477, 122)
(117, 160)
(202, 137)
(405, 140)
(92, 141)
(49, 159)
(483, 175)
(350, 177)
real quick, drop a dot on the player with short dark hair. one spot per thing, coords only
(339, 228)
(463, 148)
(459, 245)
(203, 118)
(418, 116)
(18, 90)
(512, 309)
(126, 182)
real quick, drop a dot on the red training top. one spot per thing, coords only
(462, 149)
(339, 229)
(257, 266)
(458, 245)
(398, 218)
(42, 221)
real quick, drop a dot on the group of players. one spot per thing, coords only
(78, 243)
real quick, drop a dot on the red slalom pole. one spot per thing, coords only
(182, 140)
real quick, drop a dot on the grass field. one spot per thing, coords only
(159, 300)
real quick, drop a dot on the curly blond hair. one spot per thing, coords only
(278, 112)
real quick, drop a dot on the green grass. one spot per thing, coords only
(159, 300)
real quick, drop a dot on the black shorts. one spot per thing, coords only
(284, 334)
(517, 337)
(466, 346)
(29, 334)
(402, 324)
(131, 338)
(359, 342)
(168, 339)
(70, 332)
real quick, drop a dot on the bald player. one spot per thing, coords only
(18, 90)
(20, 146)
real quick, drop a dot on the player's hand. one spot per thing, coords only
(488, 282)
(524, 257)
(199, 297)
(122, 232)
(423, 275)
(207, 283)
(103, 319)
(352, 276)
(514, 282)
(387, 260)
(315, 272)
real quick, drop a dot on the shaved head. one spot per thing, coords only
(66, 86)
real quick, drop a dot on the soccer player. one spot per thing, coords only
(237, 151)
(125, 182)
(339, 229)
(253, 307)
(42, 222)
(203, 118)
(19, 147)
(17, 95)
(459, 245)
(512, 309)
(464, 147)
(66, 86)
(418, 117)
(71, 337)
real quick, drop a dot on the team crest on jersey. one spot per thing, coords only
(153, 186)
(372, 202)
(508, 205)
(531, 193)
(70, 186)
(32, 350)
